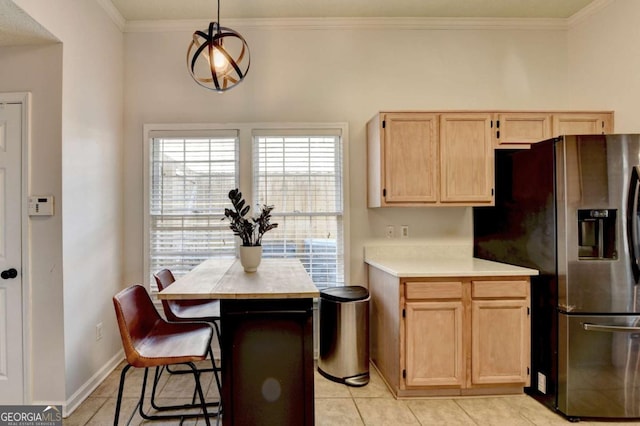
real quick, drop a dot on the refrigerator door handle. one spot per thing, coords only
(609, 328)
(632, 221)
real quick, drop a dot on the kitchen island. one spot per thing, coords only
(445, 323)
(267, 340)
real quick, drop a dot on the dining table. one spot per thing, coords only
(266, 321)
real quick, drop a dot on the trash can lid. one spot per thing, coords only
(345, 294)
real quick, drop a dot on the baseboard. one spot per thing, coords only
(85, 390)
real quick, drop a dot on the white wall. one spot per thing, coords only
(604, 59)
(22, 70)
(340, 75)
(91, 211)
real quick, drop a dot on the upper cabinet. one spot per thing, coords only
(521, 129)
(410, 158)
(466, 159)
(421, 159)
(582, 123)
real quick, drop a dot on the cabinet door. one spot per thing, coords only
(434, 345)
(582, 124)
(514, 130)
(500, 341)
(410, 157)
(466, 159)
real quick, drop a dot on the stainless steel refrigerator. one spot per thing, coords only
(569, 208)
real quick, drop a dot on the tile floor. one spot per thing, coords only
(336, 404)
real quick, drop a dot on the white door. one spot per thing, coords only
(11, 368)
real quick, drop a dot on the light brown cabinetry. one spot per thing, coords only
(418, 159)
(582, 123)
(521, 129)
(501, 331)
(410, 154)
(434, 319)
(451, 336)
(421, 159)
(466, 159)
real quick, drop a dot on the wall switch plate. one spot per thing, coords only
(98, 331)
(404, 231)
(389, 233)
(542, 383)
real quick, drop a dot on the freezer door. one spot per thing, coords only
(599, 366)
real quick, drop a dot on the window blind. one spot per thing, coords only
(300, 173)
(191, 176)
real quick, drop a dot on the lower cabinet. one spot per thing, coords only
(434, 344)
(500, 342)
(454, 336)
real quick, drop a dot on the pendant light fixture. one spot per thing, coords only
(218, 58)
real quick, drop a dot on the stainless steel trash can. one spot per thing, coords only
(344, 335)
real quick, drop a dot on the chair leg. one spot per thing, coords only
(217, 328)
(140, 404)
(116, 417)
(216, 375)
(158, 374)
(196, 374)
(216, 370)
(156, 379)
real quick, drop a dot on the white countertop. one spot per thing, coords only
(437, 261)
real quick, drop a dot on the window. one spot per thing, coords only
(190, 179)
(301, 174)
(296, 169)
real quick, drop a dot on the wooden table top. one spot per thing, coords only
(225, 279)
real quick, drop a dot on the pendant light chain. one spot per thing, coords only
(218, 16)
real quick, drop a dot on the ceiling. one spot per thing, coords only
(145, 10)
(18, 28)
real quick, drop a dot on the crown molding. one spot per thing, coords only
(355, 23)
(587, 12)
(113, 13)
(360, 23)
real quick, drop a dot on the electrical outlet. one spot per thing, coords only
(542, 383)
(98, 331)
(404, 231)
(390, 231)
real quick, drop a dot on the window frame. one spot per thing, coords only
(245, 171)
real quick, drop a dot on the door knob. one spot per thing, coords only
(9, 273)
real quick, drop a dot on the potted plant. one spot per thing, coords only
(250, 230)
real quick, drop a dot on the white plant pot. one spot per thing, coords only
(250, 257)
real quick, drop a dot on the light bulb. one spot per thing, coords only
(220, 62)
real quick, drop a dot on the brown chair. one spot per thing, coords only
(150, 341)
(190, 310)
